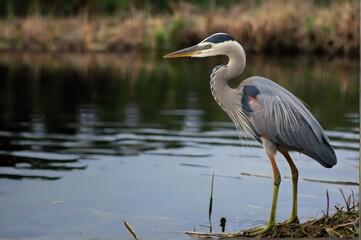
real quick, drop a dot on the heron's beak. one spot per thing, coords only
(186, 52)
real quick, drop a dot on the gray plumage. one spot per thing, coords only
(274, 113)
(282, 118)
(268, 112)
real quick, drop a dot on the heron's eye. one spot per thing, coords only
(209, 46)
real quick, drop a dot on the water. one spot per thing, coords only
(88, 141)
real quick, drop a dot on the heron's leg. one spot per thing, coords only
(293, 218)
(272, 219)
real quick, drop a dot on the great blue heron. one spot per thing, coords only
(268, 112)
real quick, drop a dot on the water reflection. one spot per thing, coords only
(132, 114)
(125, 105)
(137, 127)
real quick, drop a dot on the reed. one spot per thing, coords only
(271, 26)
(341, 224)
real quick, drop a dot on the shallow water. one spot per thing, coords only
(88, 141)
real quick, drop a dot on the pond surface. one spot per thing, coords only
(88, 141)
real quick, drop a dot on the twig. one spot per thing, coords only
(316, 220)
(328, 203)
(345, 224)
(130, 229)
(211, 199)
(204, 234)
(332, 233)
(211, 205)
(344, 198)
(353, 198)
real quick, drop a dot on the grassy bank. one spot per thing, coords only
(272, 26)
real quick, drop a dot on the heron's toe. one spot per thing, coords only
(259, 230)
(292, 219)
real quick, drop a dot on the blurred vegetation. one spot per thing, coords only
(287, 26)
(57, 84)
(22, 8)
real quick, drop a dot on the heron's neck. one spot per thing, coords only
(236, 63)
(225, 96)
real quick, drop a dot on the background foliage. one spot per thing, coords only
(287, 26)
(109, 7)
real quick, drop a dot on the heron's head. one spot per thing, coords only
(216, 44)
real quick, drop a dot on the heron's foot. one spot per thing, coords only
(259, 230)
(292, 219)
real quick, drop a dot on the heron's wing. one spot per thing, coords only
(279, 116)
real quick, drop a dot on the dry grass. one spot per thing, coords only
(344, 223)
(277, 26)
(286, 26)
